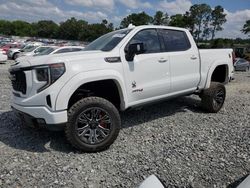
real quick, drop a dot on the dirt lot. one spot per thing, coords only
(175, 140)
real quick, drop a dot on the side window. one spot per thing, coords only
(149, 38)
(76, 49)
(38, 50)
(239, 62)
(175, 40)
(64, 50)
(242, 61)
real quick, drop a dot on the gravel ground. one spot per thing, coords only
(174, 140)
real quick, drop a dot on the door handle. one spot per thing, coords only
(193, 57)
(162, 60)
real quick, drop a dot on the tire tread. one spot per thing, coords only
(207, 97)
(75, 108)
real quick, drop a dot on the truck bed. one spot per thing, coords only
(210, 57)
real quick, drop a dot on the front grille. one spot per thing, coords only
(18, 80)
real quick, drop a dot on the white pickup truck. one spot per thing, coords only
(83, 92)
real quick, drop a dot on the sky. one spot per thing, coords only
(93, 11)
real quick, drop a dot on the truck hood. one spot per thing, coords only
(65, 57)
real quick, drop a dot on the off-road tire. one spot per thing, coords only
(77, 109)
(208, 96)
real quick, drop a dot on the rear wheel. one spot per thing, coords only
(247, 69)
(212, 99)
(93, 124)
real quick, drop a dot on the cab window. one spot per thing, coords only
(149, 38)
(175, 40)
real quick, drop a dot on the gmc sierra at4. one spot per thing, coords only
(84, 92)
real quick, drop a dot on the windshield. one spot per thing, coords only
(46, 51)
(40, 49)
(28, 48)
(109, 41)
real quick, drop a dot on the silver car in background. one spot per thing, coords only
(13, 52)
(241, 65)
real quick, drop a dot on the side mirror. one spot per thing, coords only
(134, 49)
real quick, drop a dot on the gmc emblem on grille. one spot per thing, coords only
(12, 77)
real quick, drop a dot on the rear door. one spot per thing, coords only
(184, 60)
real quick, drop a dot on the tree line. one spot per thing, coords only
(71, 29)
(202, 21)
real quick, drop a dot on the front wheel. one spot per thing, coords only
(15, 56)
(212, 99)
(93, 124)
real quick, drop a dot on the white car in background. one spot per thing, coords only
(13, 52)
(3, 56)
(58, 50)
(49, 50)
(31, 50)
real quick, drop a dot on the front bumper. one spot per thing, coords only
(41, 115)
(3, 58)
(9, 54)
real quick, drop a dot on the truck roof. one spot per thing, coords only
(158, 26)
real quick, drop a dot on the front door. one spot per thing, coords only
(147, 75)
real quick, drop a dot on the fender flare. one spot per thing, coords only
(211, 71)
(78, 80)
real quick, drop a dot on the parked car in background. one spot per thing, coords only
(241, 65)
(4, 40)
(3, 56)
(59, 50)
(32, 50)
(6, 47)
(13, 52)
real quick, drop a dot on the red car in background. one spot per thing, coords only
(6, 47)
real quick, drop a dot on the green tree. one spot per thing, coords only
(200, 13)
(90, 32)
(246, 27)
(189, 20)
(71, 28)
(104, 22)
(22, 28)
(46, 28)
(206, 33)
(97, 30)
(160, 18)
(136, 19)
(107, 24)
(6, 27)
(178, 20)
(218, 18)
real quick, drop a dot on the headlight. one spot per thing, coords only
(42, 74)
(49, 74)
